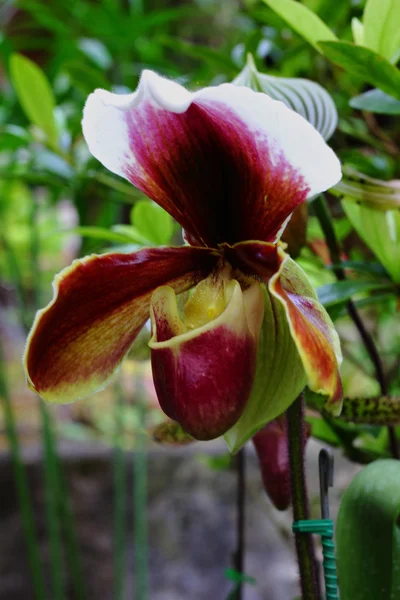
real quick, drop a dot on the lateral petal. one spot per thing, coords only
(298, 343)
(228, 163)
(313, 332)
(100, 303)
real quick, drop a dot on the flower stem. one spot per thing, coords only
(140, 503)
(120, 496)
(323, 215)
(304, 541)
(240, 516)
(22, 488)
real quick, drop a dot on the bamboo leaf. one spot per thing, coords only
(382, 27)
(152, 222)
(365, 64)
(376, 101)
(341, 291)
(380, 230)
(35, 95)
(303, 20)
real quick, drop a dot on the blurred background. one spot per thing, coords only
(90, 505)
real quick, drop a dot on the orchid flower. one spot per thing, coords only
(230, 165)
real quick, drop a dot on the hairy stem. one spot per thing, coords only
(304, 541)
(324, 217)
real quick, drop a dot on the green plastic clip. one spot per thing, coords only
(324, 526)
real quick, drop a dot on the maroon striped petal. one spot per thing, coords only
(203, 375)
(100, 303)
(229, 164)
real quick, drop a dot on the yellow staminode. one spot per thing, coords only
(207, 302)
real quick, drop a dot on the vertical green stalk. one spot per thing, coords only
(59, 512)
(22, 488)
(323, 215)
(72, 546)
(51, 480)
(52, 492)
(304, 541)
(140, 503)
(120, 496)
(240, 519)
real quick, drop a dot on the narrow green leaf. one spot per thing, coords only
(305, 97)
(132, 234)
(376, 101)
(35, 95)
(341, 291)
(361, 267)
(382, 27)
(380, 230)
(95, 233)
(152, 222)
(237, 577)
(368, 534)
(358, 31)
(365, 64)
(303, 20)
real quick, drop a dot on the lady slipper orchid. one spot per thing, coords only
(230, 165)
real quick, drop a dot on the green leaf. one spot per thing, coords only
(361, 267)
(219, 462)
(382, 27)
(152, 222)
(380, 230)
(35, 95)
(237, 577)
(132, 234)
(365, 64)
(96, 51)
(358, 31)
(13, 137)
(321, 430)
(279, 378)
(341, 291)
(303, 20)
(305, 97)
(96, 233)
(376, 101)
(368, 534)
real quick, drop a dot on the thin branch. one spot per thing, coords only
(324, 217)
